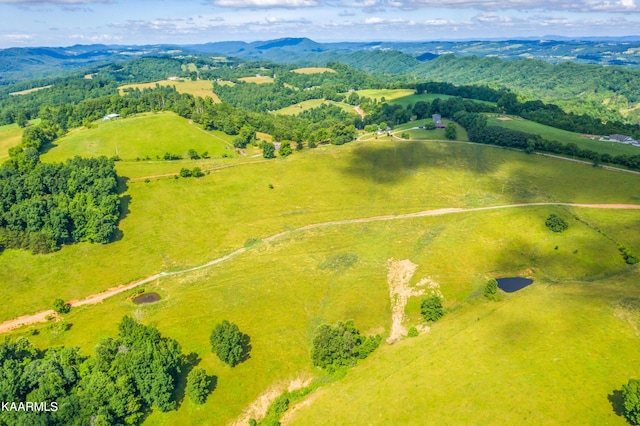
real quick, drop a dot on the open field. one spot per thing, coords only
(27, 91)
(388, 94)
(569, 323)
(235, 204)
(412, 99)
(141, 136)
(257, 79)
(201, 88)
(551, 133)
(312, 70)
(10, 136)
(312, 103)
(550, 354)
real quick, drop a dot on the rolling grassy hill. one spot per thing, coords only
(557, 343)
(10, 136)
(201, 88)
(144, 135)
(312, 103)
(552, 133)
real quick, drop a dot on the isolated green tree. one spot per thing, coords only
(285, 149)
(431, 308)
(268, 150)
(198, 385)
(631, 401)
(227, 342)
(450, 131)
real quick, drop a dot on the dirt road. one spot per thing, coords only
(99, 297)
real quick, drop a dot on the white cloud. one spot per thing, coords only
(614, 6)
(54, 2)
(265, 3)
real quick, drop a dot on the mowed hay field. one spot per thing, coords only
(387, 94)
(257, 79)
(170, 224)
(551, 133)
(312, 103)
(313, 70)
(10, 136)
(552, 352)
(140, 136)
(412, 99)
(200, 88)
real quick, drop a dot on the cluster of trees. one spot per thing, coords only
(556, 223)
(45, 205)
(341, 345)
(126, 378)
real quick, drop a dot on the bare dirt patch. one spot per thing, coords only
(504, 118)
(258, 408)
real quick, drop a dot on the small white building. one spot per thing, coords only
(110, 116)
(622, 139)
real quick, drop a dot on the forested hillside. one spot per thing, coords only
(584, 89)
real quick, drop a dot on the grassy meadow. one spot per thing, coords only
(200, 88)
(553, 351)
(388, 94)
(551, 133)
(313, 70)
(412, 99)
(312, 103)
(518, 350)
(144, 135)
(257, 79)
(10, 136)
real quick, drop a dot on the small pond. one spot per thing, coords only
(146, 298)
(512, 284)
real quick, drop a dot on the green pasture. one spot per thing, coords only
(145, 135)
(552, 351)
(170, 224)
(549, 354)
(388, 94)
(551, 133)
(412, 99)
(10, 136)
(312, 103)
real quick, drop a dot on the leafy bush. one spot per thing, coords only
(185, 173)
(198, 385)
(413, 332)
(229, 343)
(431, 308)
(556, 223)
(628, 256)
(491, 289)
(631, 401)
(341, 345)
(60, 307)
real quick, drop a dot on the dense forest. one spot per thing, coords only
(126, 378)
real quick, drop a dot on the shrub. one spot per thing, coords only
(629, 257)
(431, 308)
(198, 385)
(491, 289)
(197, 172)
(285, 149)
(556, 223)
(341, 345)
(229, 343)
(185, 173)
(60, 307)
(631, 401)
(413, 332)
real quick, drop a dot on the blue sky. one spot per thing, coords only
(68, 22)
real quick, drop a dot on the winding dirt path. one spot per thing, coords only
(99, 297)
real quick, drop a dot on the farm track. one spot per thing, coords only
(99, 297)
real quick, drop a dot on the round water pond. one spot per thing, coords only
(146, 298)
(512, 284)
